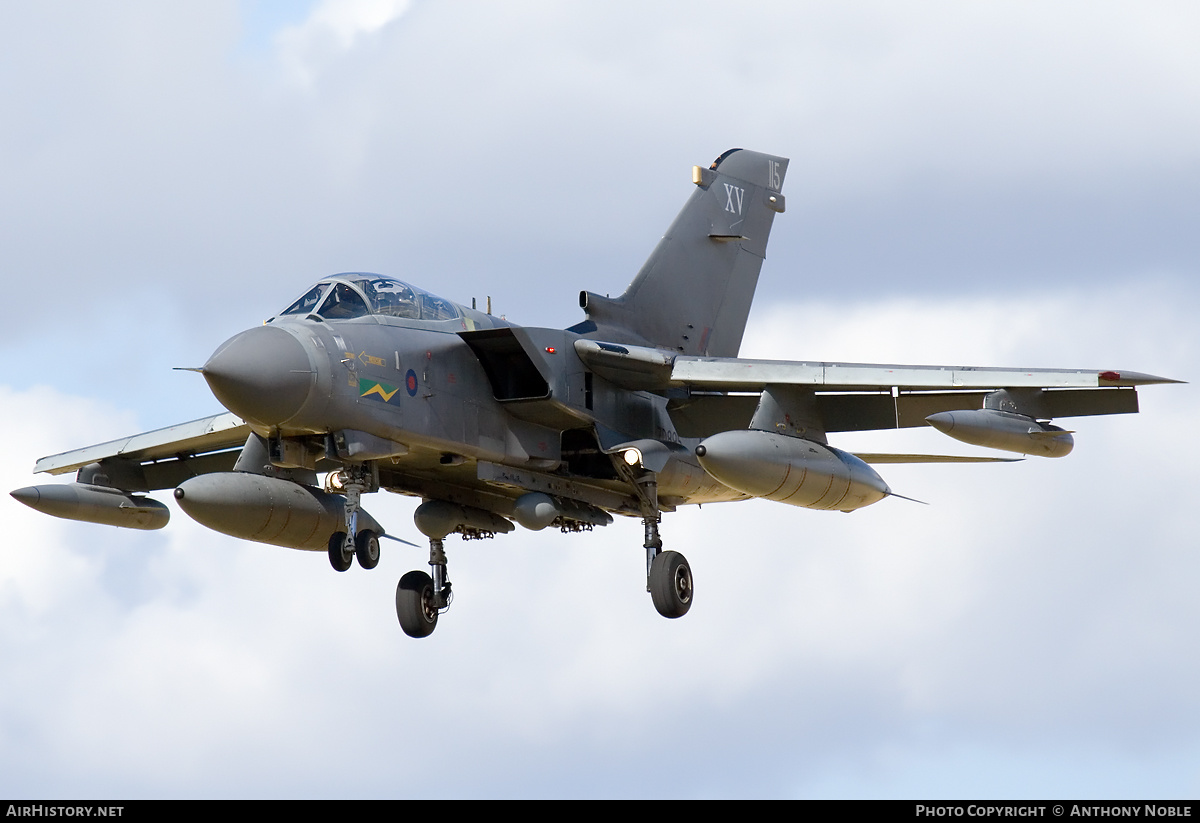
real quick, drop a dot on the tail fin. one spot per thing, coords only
(694, 293)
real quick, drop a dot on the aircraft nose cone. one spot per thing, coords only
(263, 375)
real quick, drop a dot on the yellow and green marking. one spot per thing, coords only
(374, 388)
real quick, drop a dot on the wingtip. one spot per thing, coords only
(1133, 378)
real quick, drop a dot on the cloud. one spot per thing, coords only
(331, 29)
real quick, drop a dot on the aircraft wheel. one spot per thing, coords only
(671, 584)
(366, 549)
(415, 605)
(337, 552)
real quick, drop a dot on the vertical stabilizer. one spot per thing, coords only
(694, 293)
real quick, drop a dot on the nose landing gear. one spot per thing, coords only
(345, 546)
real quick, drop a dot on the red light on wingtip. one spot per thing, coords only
(549, 350)
(1110, 375)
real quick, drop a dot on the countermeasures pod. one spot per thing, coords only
(1004, 430)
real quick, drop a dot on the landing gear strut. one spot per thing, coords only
(668, 575)
(345, 546)
(419, 597)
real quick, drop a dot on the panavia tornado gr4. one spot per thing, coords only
(640, 408)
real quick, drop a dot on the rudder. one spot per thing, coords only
(693, 294)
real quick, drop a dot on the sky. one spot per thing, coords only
(993, 183)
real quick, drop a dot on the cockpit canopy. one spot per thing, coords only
(357, 294)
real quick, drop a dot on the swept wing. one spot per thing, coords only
(718, 393)
(163, 457)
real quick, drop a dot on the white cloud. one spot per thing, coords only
(333, 28)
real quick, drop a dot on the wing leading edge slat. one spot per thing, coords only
(641, 367)
(730, 374)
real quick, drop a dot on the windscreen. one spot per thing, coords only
(356, 295)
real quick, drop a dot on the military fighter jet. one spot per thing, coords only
(640, 408)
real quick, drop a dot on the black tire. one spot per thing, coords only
(337, 555)
(366, 549)
(671, 584)
(415, 606)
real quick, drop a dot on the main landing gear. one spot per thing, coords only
(668, 575)
(420, 598)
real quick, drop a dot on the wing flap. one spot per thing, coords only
(703, 415)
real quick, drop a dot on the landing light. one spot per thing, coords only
(633, 457)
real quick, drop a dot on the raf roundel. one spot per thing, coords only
(410, 383)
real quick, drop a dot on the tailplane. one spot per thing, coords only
(693, 294)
